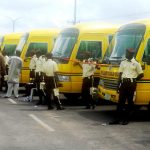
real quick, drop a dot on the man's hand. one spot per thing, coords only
(76, 63)
(117, 89)
(59, 84)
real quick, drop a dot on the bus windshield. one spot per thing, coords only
(64, 45)
(129, 36)
(22, 42)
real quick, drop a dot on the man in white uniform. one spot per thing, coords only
(15, 65)
(88, 68)
(130, 71)
(49, 69)
(39, 75)
(32, 65)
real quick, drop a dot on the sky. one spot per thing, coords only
(27, 15)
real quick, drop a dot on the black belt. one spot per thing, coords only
(89, 77)
(129, 79)
(38, 73)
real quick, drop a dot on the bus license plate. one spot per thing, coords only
(107, 96)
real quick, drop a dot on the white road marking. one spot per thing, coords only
(41, 123)
(12, 101)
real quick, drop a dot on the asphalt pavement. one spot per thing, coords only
(25, 126)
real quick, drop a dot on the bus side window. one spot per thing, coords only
(81, 51)
(43, 47)
(10, 49)
(89, 49)
(146, 56)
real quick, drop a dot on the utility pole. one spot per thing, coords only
(14, 22)
(75, 12)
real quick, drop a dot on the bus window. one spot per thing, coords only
(9, 49)
(43, 47)
(93, 48)
(65, 44)
(146, 56)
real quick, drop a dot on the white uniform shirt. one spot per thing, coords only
(6, 58)
(130, 69)
(15, 66)
(88, 69)
(49, 67)
(39, 64)
(32, 64)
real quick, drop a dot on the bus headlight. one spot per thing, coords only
(63, 78)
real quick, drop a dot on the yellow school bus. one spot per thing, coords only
(37, 40)
(73, 44)
(134, 35)
(9, 42)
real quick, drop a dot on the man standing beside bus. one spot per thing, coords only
(15, 66)
(39, 75)
(50, 67)
(88, 68)
(130, 71)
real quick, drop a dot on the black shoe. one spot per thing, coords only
(124, 122)
(87, 107)
(6, 97)
(50, 107)
(93, 106)
(44, 103)
(60, 108)
(39, 103)
(114, 122)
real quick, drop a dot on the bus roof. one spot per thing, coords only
(13, 36)
(44, 31)
(96, 27)
(145, 22)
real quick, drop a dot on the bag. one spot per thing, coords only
(42, 85)
(56, 91)
(93, 91)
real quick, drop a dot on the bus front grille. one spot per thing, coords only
(108, 84)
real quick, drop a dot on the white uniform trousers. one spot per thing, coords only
(11, 87)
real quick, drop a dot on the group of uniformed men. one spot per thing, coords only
(43, 68)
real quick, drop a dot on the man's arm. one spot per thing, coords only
(119, 82)
(140, 76)
(77, 62)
